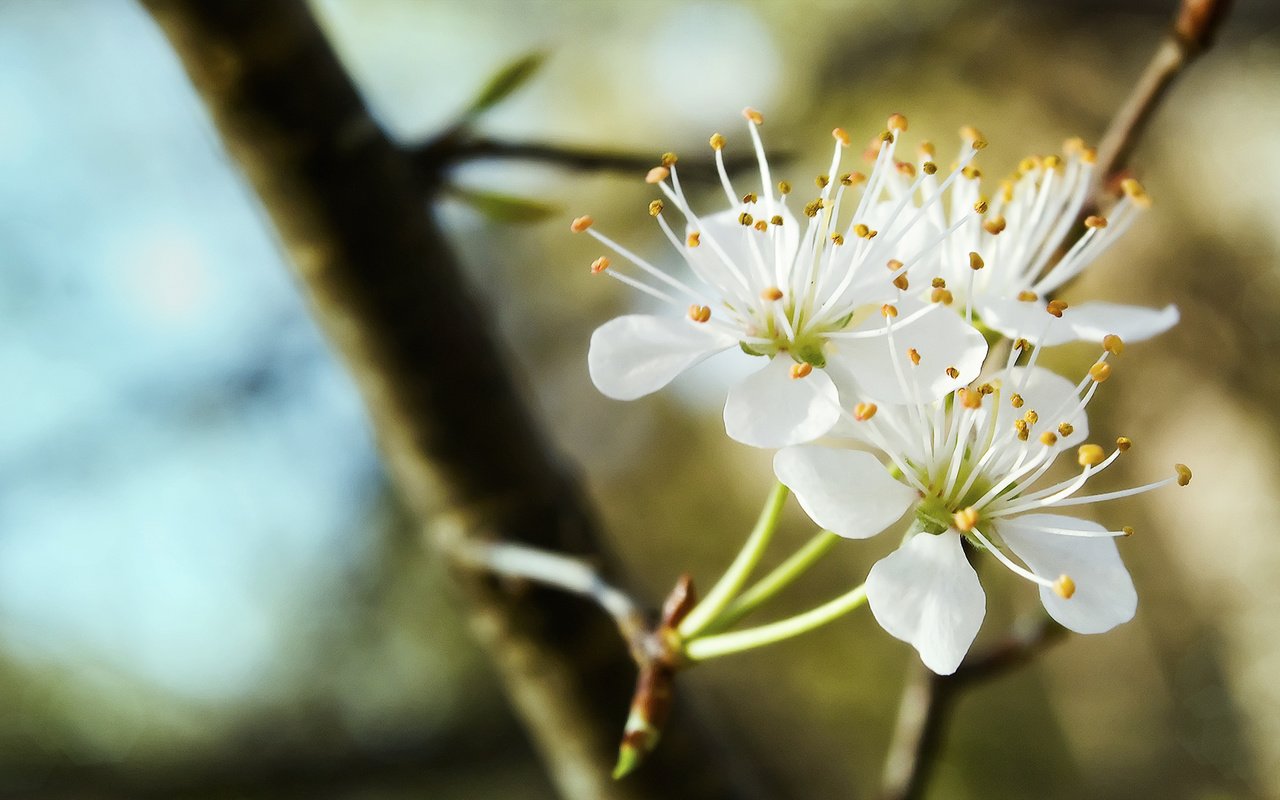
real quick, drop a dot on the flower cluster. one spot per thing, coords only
(875, 309)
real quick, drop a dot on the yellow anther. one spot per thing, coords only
(1022, 429)
(966, 519)
(969, 398)
(750, 197)
(1089, 155)
(694, 239)
(1184, 474)
(771, 293)
(927, 150)
(972, 173)
(896, 122)
(821, 181)
(893, 265)
(1028, 297)
(841, 136)
(953, 373)
(856, 178)
(751, 115)
(1048, 438)
(1052, 162)
(761, 225)
(1073, 146)
(976, 139)
(1134, 191)
(864, 411)
(906, 168)
(1100, 371)
(1016, 400)
(776, 219)
(657, 175)
(812, 208)
(888, 310)
(1031, 416)
(1029, 164)
(1113, 344)
(599, 265)
(914, 355)
(784, 187)
(975, 261)
(1064, 586)
(846, 179)
(699, 313)
(1095, 221)
(799, 371)
(669, 159)
(943, 296)
(1128, 531)
(1123, 444)
(901, 282)
(745, 219)
(986, 389)
(717, 141)
(1055, 308)
(1065, 429)
(1021, 345)
(1090, 455)
(580, 224)
(939, 283)
(861, 230)
(929, 168)
(995, 225)
(655, 208)
(981, 206)
(885, 136)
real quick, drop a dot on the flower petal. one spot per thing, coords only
(846, 491)
(1092, 321)
(927, 595)
(1104, 595)
(940, 337)
(1053, 399)
(637, 354)
(1025, 319)
(772, 409)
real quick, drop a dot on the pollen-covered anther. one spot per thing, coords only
(1073, 146)
(655, 208)
(799, 371)
(669, 159)
(995, 225)
(717, 141)
(753, 116)
(784, 188)
(699, 313)
(938, 283)
(953, 373)
(975, 261)
(1021, 429)
(745, 219)
(771, 294)
(694, 239)
(1065, 429)
(864, 411)
(861, 230)
(888, 311)
(1053, 162)
(1113, 344)
(1048, 438)
(1055, 308)
(750, 197)
(972, 173)
(893, 265)
(986, 389)
(897, 122)
(969, 399)
(1123, 444)
(901, 282)
(1095, 221)
(1128, 531)
(1100, 371)
(812, 208)
(929, 168)
(966, 519)
(927, 150)
(943, 296)
(821, 181)
(776, 219)
(981, 206)
(599, 265)
(1064, 586)
(657, 175)
(1135, 192)
(906, 168)
(1021, 345)
(1031, 416)
(1184, 474)
(974, 137)
(841, 136)
(761, 225)
(580, 224)
(1090, 455)
(1015, 400)
(1028, 297)
(914, 355)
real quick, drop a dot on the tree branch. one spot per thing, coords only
(351, 210)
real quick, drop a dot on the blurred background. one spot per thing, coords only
(208, 590)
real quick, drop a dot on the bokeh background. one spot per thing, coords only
(207, 588)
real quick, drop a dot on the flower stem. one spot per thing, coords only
(731, 582)
(777, 580)
(727, 643)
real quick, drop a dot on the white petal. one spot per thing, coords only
(637, 354)
(941, 338)
(1026, 319)
(927, 595)
(846, 491)
(1092, 321)
(772, 409)
(1054, 400)
(1104, 595)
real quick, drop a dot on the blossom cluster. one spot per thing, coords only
(897, 317)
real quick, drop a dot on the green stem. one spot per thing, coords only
(777, 580)
(726, 643)
(731, 582)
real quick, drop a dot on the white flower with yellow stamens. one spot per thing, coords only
(814, 300)
(971, 470)
(1004, 267)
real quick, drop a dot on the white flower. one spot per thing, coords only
(1004, 266)
(971, 470)
(814, 301)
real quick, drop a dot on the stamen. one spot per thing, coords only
(753, 116)
(1100, 371)
(1064, 586)
(965, 519)
(864, 411)
(717, 141)
(599, 265)
(1113, 344)
(1123, 444)
(771, 294)
(975, 261)
(655, 208)
(699, 313)
(1184, 474)
(1090, 455)
(801, 370)
(1095, 222)
(1055, 308)
(1003, 559)
(657, 175)
(914, 355)
(580, 224)
(694, 239)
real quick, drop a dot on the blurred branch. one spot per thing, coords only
(1193, 32)
(353, 213)
(928, 699)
